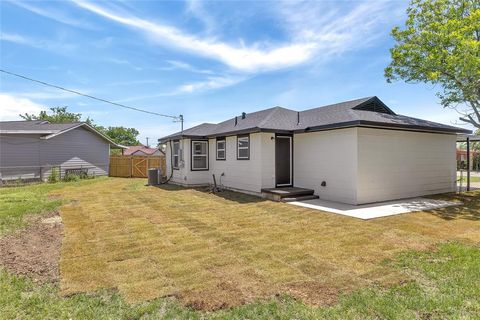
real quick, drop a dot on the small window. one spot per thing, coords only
(243, 147)
(199, 155)
(221, 149)
(176, 154)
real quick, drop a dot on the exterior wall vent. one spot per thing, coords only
(374, 105)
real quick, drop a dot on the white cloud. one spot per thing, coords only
(47, 94)
(336, 31)
(175, 64)
(56, 46)
(53, 14)
(209, 84)
(241, 58)
(196, 9)
(316, 30)
(125, 62)
(11, 106)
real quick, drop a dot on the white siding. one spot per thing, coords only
(359, 165)
(268, 160)
(184, 175)
(329, 156)
(399, 164)
(248, 175)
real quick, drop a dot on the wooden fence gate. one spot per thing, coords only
(135, 166)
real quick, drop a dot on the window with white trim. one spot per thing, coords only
(243, 147)
(176, 154)
(221, 149)
(199, 155)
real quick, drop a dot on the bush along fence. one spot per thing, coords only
(135, 166)
(15, 175)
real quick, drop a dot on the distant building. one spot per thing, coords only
(462, 159)
(142, 151)
(29, 150)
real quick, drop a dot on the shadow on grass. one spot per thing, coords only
(469, 209)
(225, 194)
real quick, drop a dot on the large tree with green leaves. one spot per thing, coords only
(121, 135)
(440, 44)
(56, 115)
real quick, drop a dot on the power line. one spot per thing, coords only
(179, 118)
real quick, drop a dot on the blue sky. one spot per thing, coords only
(207, 60)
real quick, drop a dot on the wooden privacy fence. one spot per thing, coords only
(135, 166)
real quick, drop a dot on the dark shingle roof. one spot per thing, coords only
(369, 111)
(35, 125)
(48, 130)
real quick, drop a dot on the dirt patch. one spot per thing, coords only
(35, 250)
(313, 293)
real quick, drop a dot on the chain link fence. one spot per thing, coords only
(18, 175)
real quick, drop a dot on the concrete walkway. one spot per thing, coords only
(376, 210)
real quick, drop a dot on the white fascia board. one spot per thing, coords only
(28, 131)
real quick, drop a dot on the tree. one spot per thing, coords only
(440, 44)
(58, 115)
(120, 135)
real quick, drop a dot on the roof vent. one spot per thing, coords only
(44, 122)
(244, 115)
(235, 121)
(374, 105)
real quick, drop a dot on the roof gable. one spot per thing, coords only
(374, 105)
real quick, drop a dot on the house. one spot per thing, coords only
(142, 151)
(353, 152)
(462, 159)
(30, 149)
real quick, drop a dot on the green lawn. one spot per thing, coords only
(472, 179)
(445, 286)
(436, 254)
(16, 203)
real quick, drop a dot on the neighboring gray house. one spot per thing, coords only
(354, 152)
(29, 149)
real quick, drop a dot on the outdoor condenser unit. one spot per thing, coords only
(154, 176)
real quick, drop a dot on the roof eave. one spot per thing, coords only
(373, 124)
(28, 131)
(223, 134)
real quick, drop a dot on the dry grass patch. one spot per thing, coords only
(215, 251)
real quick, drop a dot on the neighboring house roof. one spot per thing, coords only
(370, 112)
(47, 130)
(146, 150)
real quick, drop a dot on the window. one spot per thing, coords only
(176, 153)
(199, 155)
(221, 149)
(243, 147)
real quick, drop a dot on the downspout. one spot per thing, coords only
(171, 164)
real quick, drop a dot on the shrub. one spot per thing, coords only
(54, 175)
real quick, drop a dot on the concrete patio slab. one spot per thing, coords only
(376, 210)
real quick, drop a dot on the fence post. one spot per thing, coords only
(131, 167)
